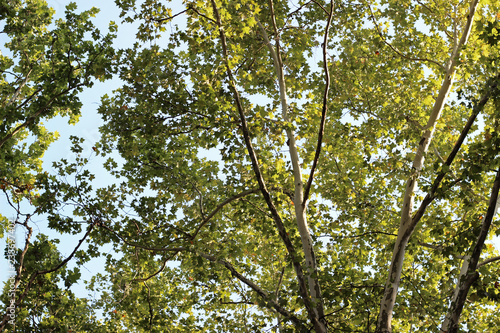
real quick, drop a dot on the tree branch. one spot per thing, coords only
(258, 174)
(407, 224)
(266, 297)
(171, 17)
(323, 111)
(329, 14)
(487, 261)
(202, 15)
(164, 263)
(469, 272)
(300, 209)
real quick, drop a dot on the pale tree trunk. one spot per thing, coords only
(468, 273)
(407, 224)
(313, 307)
(300, 210)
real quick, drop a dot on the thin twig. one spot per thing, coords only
(171, 17)
(372, 16)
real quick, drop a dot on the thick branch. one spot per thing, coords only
(487, 261)
(468, 273)
(300, 209)
(407, 226)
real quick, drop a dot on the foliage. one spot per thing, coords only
(43, 71)
(44, 65)
(311, 167)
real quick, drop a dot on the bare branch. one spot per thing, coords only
(487, 261)
(300, 8)
(323, 111)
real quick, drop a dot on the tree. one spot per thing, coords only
(349, 184)
(45, 65)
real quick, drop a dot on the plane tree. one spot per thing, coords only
(311, 166)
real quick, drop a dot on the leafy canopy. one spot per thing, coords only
(273, 161)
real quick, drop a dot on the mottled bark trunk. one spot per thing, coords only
(468, 273)
(407, 224)
(300, 210)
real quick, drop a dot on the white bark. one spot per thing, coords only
(303, 288)
(406, 225)
(300, 210)
(463, 274)
(468, 273)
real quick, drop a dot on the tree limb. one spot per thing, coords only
(487, 261)
(407, 224)
(300, 209)
(323, 111)
(470, 264)
(265, 296)
(258, 174)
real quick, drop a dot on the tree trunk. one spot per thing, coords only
(407, 224)
(468, 273)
